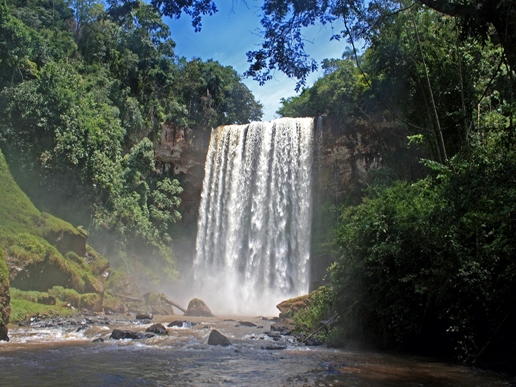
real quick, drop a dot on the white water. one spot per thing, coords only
(253, 239)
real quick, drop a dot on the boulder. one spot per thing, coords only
(197, 307)
(284, 325)
(144, 316)
(217, 338)
(119, 334)
(246, 324)
(289, 307)
(158, 329)
(177, 323)
(312, 341)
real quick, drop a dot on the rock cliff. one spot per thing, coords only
(5, 307)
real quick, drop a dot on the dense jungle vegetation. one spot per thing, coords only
(85, 88)
(426, 265)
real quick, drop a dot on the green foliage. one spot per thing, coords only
(431, 264)
(69, 296)
(337, 94)
(90, 300)
(16, 209)
(21, 309)
(84, 93)
(319, 308)
(27, 295)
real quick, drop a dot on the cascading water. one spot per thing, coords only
(253, 239)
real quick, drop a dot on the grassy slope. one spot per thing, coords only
(23, 229)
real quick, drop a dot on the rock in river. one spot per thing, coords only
(158, 329)
(197, 307)
(119, 334)
(217, 338)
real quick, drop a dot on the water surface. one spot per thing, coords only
(58, 356)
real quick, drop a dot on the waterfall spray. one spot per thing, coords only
(253, 239)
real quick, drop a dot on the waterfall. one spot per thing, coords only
(254, 230)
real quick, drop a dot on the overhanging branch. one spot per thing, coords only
(451, 9)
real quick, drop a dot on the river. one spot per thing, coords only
(66, 356)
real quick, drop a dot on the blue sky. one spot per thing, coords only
(230, 33)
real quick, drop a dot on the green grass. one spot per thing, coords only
(26, 233)
(16, 209)
(21, 309)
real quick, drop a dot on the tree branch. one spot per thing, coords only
(451, 9)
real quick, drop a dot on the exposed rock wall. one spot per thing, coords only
(5, 308)
(347, 160)
(182, 152)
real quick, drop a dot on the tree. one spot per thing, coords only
(283, 46)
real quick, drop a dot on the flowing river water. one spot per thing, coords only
(66, 356)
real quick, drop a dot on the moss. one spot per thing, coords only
(90, 300)
(4, 271)
(49, 251)
(98, 264)
(16, 209)
(120, 284)
(68, 296)
(82, 231)
(73, 257)
(27, 295)
(55, 225)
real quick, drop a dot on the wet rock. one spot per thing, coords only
(197, 307)
(143, 316)
(285, 326)
(273, 334)
(246, 324)
(158, 329)
(5, 307)
(177, 323)
(217, 338)
(3, 333)
(82, 327)
(98, 340)
(119, 334)
(312, 341)
(275, 347)
(332, 370)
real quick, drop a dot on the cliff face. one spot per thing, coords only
(183, 153)
(5, 307)
(347, 159)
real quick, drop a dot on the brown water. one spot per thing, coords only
(64, 357)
